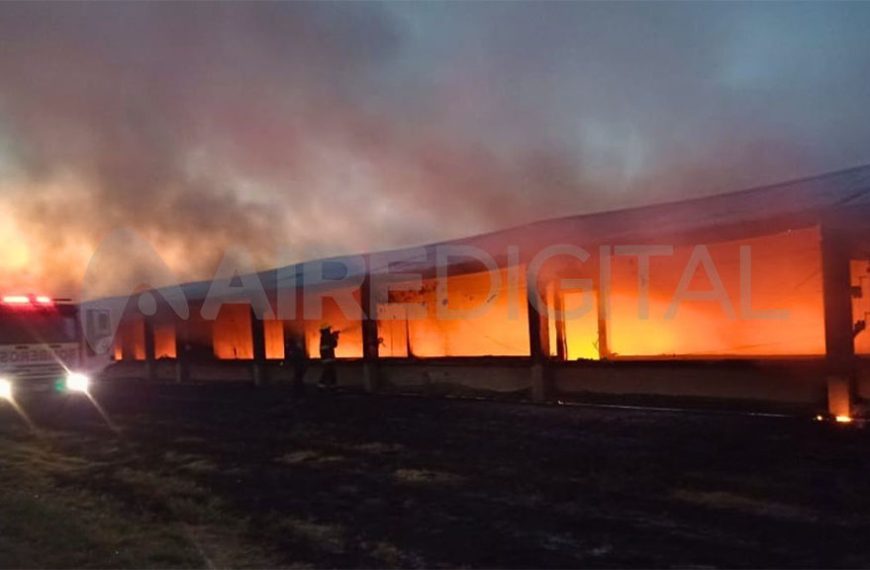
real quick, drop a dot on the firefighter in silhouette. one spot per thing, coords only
(328, 344)
(296, 359)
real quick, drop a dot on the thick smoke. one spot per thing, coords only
(298, 130)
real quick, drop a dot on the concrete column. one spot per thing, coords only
(539, 343)
(540, 382)
(182, 358)
(258, 336)
(150, 356)
(603, 345)
(839, 341)
(128, 339)
(539, 331)
(371, 346)
(559, 316)
(602, 302)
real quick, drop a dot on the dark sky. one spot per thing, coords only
(295, 130)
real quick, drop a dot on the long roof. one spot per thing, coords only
(804, 202)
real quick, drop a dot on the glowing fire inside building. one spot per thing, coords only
(753, 295)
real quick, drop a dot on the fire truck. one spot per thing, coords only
(41, 346)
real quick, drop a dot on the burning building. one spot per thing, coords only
(752, 295)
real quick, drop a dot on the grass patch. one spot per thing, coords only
(308, 457)
(426, 477)
(44, 525)
(722, 500)
(63, 511)
(251, 479)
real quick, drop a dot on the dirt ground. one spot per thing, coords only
(238, 477)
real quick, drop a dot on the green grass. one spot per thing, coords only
(105, 509)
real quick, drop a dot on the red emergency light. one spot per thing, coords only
(32, 300)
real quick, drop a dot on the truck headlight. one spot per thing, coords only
(77, 382)
(5, 389)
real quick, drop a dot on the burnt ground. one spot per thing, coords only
(234, 476)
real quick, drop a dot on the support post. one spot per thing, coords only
(839, 342)
(602, 301)
(128, 339)
(559, 316)
(539, 341)
(182, 356)
(371, 352)
(258, 336)
(603, 345)
(150, 356)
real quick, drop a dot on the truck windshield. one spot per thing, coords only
(36, 327)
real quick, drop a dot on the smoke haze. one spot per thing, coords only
(297, 130)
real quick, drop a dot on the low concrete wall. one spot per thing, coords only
(498, 375)
(785, 381)
(349, 372)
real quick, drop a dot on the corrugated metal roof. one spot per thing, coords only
(778, 207)
(838, 197)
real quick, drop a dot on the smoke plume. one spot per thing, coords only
(298, 130)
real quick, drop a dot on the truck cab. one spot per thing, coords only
(40, 344)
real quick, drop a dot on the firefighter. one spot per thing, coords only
(296, 359)
(328, 344)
